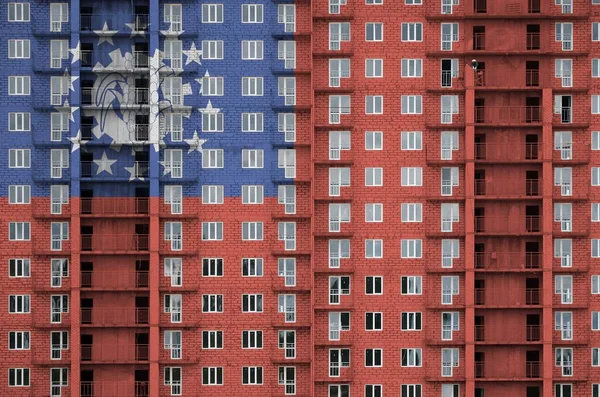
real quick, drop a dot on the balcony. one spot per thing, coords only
(507, 297)
(114, 207)
(505, 225)
(139, 170)
(115, 243)
(114, 281)
(114, 389)
(503, 116)
(436, 155)
(508, 335)
(110, 353)
(507, 370)
(487, 79)
(519, 8)
(507, 189)
(508, 261)
(124, 317)
(572, 153)
(500, 153)
(96, 98)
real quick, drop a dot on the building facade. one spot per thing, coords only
(325, 198)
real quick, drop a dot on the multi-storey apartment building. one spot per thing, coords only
(325, 198)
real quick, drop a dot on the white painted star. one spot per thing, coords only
(76, 52)
(134, 31)
(195, 143)
(104, 164)
(73, 110)
(209, 108)
(167, 167)
(193, 54)
(76, 141)
(105, 34)
(72, 79)
(133, 173)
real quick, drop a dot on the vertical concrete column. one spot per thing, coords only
(547, 243)
(469, 253)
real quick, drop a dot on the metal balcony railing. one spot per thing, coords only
(528, 333)
(507, 152)
(507, 297)
(485, 78)
(501, 225)
(509, 370)
(533, 41)
(141, 22)
(114, 389)
(114, 206)
(114, 242)
(507, 188)
(122, 280)
(508, 115)
(93, 97)
(140, 170)
(508, 260)
(114, 317)
(111, 353)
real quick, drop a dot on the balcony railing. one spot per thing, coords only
(508, 115)
(110, 353)
(507, 188)
(508, 260)
(114, 389)
(508, 370)
(141, 22)
(528, 333)
(479, 41)
(140, 170)
(484, 78)
(114, 317)
(114, 206)
(507, 152)
(504, 224)
(507, 297)
(533, 41)
(93, 97)
(491, 7)
(114, 242)
(121, 280)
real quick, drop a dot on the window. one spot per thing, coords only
(174, 125)
(212, 339)
(286, 159)
(338, 105)
(19, 85)
(252, 122)
(411, 321)
(410, 248)
(338, 249)
(252, 158)
(19, 231)
(338, 358)
(286, 304)
(450, 323)
(373, 140)
(411, 212)
(172, 90)
(338, 69)
(411, 285)
(172, 342)
(374, 285)
(450, 215)
(595, 31)
(173, 380)
(564, 360)
(339, 390)
(595, 104)
(59, 160)
(411, 390)
(252, 339)
(563, 390)
(595, 321)
(252, 375)
(449, 35)
(373, 357)
(412, 68)
(338, 141)
(18, 49)
(286, 268)
(212, 86)
(374, 212)
(252, 13)
(286, 14)
(595, 386)
(174, 270)
(287, 377)
(18, 377)
(59, 232)
(59, 304)
(212, 303)
(59, 341)
(374, 104)
(212, 49)
(373, 176)
(18, 12)
(252, 231)
(374, 68)
(252, 194)
(411, 357)
(412, 104)
(411, 140)
(449, 108)
(563, 69)
(412, 176)
(173, 305)
(338, 214)
(19, 194)
(212, 194)
(449, 360)
(595, 176)
(18, 340)
(19, 121)
(252, 50)
(412, 31)
(596, 67)
(563, 177)
(450, 390)
(59, 14)
(174, 234)
(252, 86)
(286, 52)
(449, 144)
(373, 2)
(59, 378)
(212, 120)
(286, 195)
(450, 288)
(595, 248)
(563, 214)
(173, 53)
(564, 34)
(338, 177)
(212, 230)
(212, 267)
(59, 123)
(59, 269)
(595, 357)
(373, 321)
(212, 158)
(252, 267)
(338, 33)
(373, 248)
(287, 124)
(212, 13)
(19, 267)
(174, 198)
(338, 322)
(286, 232)
(287, 89)
(563, 249)
(450, 251)
(374, 31)
(596, 285)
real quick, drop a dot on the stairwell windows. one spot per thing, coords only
(59, 233)
(286, 14)
(18, 340)
(374, 31)
(373, 357)
(18, 12)
(450, 251)
(173, 17)
(287, 124)
(19, 268)
(252, 231)
(338, 33)
(564, 70)
(412, 104)
(212, 158)
(411, 390)
(19, 121)
(450, 288)
(19, 85)
(338, 214)
(411, 357)
(563, 249)
(563, 322)
(212, 267)
(338, 141)
(338, 322)
(564, 360)
(19, 231)
(286, 52)
(411, 212)
(18, 49)
(374, 68)
(411, 248)
(174, 271)
(212, 49)
(449, 108)
(450, 323)
(286, 268)
(450, 358)
(286, 232)
(252, 50)
(563, 213)
(412, 176)
(374, 212)
(563, 286)
(287, 306)
(19, 304)
(172, 343)
(212, 231)
(338, 250)
(286, 196)
(59, 304)
(411, 285)
(412, 31)
(338, 69)
(338, 105)
(338, 177)
(212, 13)
(173, 305)
(59, 14)
(595, 321)
(19, 194)
(412, 68)
(450, 215)
(59, 269)
(59, 160)
(173, 379)
(373, 248)
(286, 160)
(449, 35)
(564, 34)
(174, 234)
(252, 13)
(59, 124)
(286, 87)
(411, 321)
(252, 158)
(563, 177)
(212, 303)
(373, 176)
